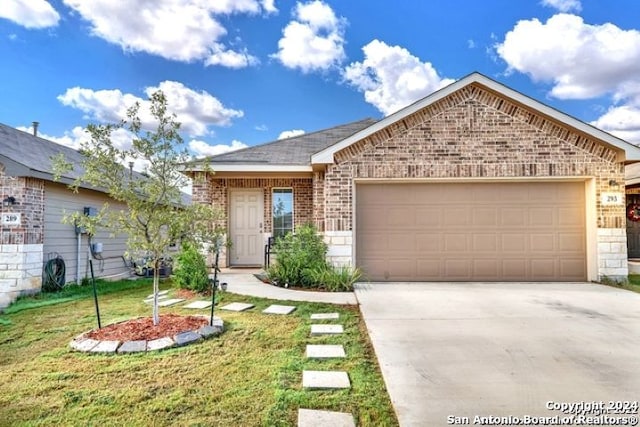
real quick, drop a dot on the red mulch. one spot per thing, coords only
(188, 293)
(143, 328)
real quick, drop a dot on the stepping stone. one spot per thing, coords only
(167, 303)
(160, 298)
(325, 379)
(84, 344)
(133, 346)
(325, 351)
(184, 338)
(279, 309)
(326, 329)
(159, 344)
(106, 347)
(161, 293)
(198, 304)
(315, 418)
(237, 306)
(325, 316)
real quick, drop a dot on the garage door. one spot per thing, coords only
(515, 231)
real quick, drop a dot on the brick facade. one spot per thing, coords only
(29, 196)
(471, 134)
(474, 133)
(21, 245)
(215, 191)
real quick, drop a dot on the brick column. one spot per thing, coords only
(21, 243)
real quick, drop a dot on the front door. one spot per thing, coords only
(245, 227)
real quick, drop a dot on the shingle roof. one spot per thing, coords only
(296, 150)
(31, 155)
(24, 154)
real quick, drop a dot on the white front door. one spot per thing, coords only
(245, 227)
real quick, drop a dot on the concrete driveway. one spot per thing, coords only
(497, 349)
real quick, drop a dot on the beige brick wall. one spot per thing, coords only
(21, 245)
(473, 133)
(215, 191)
(29, 195)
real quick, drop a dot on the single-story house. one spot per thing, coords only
(32, 208)
(632, 190)
(475, 182)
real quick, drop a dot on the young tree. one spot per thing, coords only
(156, 215)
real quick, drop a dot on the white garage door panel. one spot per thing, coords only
(507, 231)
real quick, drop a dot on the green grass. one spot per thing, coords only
(74, 292)
(634, 283)
(249, 376)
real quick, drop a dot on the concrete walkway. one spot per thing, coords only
(244, 282)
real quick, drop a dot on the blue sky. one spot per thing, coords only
(243, 72)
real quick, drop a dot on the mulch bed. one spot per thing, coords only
(143, 328)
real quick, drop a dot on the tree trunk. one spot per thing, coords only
(156, 282)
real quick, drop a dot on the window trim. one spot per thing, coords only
(293, 210)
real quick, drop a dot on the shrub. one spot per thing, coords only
(190, 269)
(301, 261)
(335, 279)
(295, 255)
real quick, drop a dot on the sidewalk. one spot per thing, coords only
(243, 282)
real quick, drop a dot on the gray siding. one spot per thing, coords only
(61, 238)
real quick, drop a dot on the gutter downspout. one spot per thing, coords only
(78, 258)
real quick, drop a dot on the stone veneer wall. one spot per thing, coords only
(21, 245)
(612, 253)
(474, 133)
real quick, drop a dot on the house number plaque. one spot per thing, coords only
(610, 199)
(9, 219)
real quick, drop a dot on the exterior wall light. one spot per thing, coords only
(9, 201)
(614, 184)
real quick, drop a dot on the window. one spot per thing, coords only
(282, 211)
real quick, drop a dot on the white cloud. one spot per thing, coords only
(622, 121)
(181, 30)
(391, 77)
(563, 5)
(290, 133)
(262, 128)
(195, 110)
(269, 6)
(202, 149)
(30, 13)
(314, 40)
(582, 61)
(230, 58)
(72, 138)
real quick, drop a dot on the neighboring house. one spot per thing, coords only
(32, 210)
(475, 182)
(632, 190)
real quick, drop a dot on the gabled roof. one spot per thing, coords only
(24, 154)
(631, 152)
(290, 154)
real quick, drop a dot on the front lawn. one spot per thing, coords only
(249, 376)
(631, 284)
